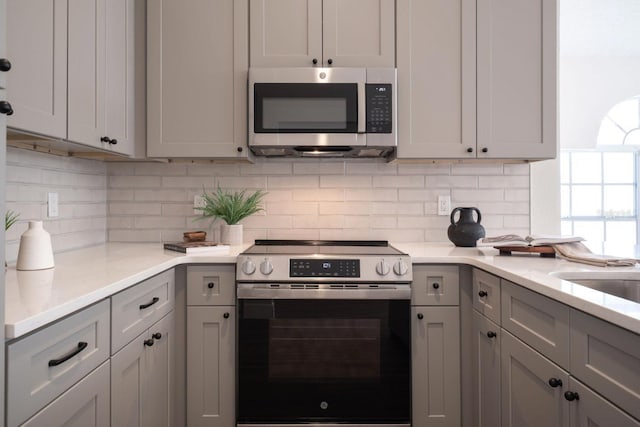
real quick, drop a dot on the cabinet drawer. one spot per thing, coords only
(85, 404)
(37, 371)
(607, 359)
(435, 285)
(211, 285)
(537, 320)
(593, 410)
(486, 294)
(140, 306)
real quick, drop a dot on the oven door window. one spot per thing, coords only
(305, 107)
(324, 361)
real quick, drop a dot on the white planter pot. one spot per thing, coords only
(231, 234)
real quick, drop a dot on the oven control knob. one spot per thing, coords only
(266, 267)
(382, 268)
(248, 266)
(400, 268)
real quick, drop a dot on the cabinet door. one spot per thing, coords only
(86, 404)
(140, 378)
(517, 78)
(37, 46)
(285, 33)
(591, 410)
(211, 339)
(436, 78)
(197, 64)
(358, 33)
(486, 294)
(86, 91)
(119, 108)
(527, 397)
(435, 363)
(486, 371)
(606, 358)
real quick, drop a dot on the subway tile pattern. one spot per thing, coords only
(82, 192)
(307, 199)
(317, 199)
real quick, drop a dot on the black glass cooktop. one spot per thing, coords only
(325, 247)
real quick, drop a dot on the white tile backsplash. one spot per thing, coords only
(319, 199)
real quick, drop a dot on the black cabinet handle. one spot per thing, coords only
(485, 149)
(469, 150)
(81, 346)
(5, 65)
(113, 141)
(315, 61)
(210, 285)
(109, 140)
(482, 294)
(436, 285)
(226, 315)
(491, 334)
(157, 335)
(555, 382)
(239, 149)
(5, 108)
(149, 304)
(149, 342)
(105, 139)
(420, 316)
(571, 396)
(329, 61)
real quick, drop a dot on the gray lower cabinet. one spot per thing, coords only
(435, 346)
(591, 410)
(528, 398)
(86, 404)
(211, 340)
(141, 375)
(486, 337)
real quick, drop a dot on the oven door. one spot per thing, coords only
(328, 361)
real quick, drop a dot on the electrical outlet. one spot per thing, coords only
(198, 202)
(444, 205)
(52, 205)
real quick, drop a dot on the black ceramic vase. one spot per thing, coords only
(466, 231)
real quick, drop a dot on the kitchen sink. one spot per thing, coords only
(621, 284)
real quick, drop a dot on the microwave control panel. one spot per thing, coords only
(379, 108)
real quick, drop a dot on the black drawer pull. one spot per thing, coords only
(482, 294)
(148, 342)
(420, 316)
(491, 334)
(157, 335)
(226, 315)
(436, 285)
(149, 304)
(571, 396)
(555, 382)
(210, 285)
(81, 346)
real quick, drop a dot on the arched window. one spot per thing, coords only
(621, 125)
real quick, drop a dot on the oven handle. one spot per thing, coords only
(361, 292)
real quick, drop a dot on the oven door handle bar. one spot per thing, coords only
(353, 292)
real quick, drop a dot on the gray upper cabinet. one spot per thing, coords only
(3, 46)
(294, 33)
(101, 92)
(480, 88)
(73, 72)
(37, 46)
(197, 63)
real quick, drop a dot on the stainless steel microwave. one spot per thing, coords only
(330, 112)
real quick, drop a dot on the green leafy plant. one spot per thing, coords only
(10, 218)
(231, 207)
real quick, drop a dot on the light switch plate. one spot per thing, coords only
(444, 205)
(52, 205)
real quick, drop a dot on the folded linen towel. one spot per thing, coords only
(578, 252)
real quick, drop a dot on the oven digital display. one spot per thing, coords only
(324, 268)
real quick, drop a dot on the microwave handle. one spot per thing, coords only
(362, 108)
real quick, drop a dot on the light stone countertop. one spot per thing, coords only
(82, 277)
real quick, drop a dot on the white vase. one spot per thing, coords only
(35, 251)
(231, 234)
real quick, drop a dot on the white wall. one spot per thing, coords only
(326, 199)
(82, 190)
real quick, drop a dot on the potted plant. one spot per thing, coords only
(10, 218)
(231, 207)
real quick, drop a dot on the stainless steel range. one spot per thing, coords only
(323, 334)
